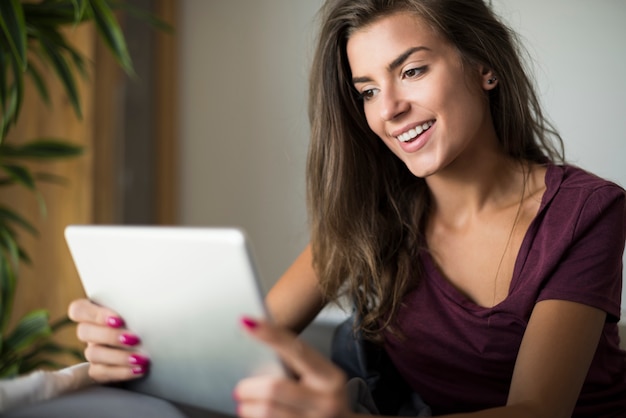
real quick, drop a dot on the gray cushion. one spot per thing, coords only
(105, 402)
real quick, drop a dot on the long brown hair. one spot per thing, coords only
(366, 210)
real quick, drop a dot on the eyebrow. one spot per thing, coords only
(395, 63)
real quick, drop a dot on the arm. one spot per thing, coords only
(555, 356)
(295, 299)
(552, 363)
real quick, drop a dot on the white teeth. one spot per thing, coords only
(413, 133)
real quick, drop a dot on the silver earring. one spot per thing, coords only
(492, 80)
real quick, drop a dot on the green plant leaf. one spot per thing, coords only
(141, 14)
(22, 255)
(7, 292)
(109, 29)
(20, 174)
(37, 355)
(54, 37)
(32, 29)
(3, 86)
(42, 149)
(25, 257)
(50, 13)
(80, 7)
(9, 370)
(79, 62)
(39, 82)
(13, 26)
(9, 244)
(7, 215)
(39, 364)
(9, 110)
(18, 84)
(31, 328)
(62, 69)
(61, 323)
(51, 347)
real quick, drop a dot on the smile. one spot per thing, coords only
(415, 132)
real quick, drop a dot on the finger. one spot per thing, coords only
(276, 397)
(287, 393)
(84, 310)
(102, 373)
(100, 354)
(104, 335)
(299, 357)
(108, 364)
(264, 396)
(265, 410)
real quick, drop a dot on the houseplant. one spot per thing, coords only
(32, 38)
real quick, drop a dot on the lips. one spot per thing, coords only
(415, 132)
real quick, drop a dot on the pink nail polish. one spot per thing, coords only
(129, 339)
(138, 360)
(115, 322)
(249, 323)
(140, 369)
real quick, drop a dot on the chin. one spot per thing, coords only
(420, 170)
(421, 173)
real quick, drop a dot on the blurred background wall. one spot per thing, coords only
(243, 121)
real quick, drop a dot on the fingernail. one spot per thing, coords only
(138, 360)
(129, 339)
(249, 323)
(115, 322)
(140, 369)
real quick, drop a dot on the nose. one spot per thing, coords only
(392, 104)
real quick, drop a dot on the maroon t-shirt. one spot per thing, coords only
(460, 356)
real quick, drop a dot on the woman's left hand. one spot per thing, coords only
(318, 389)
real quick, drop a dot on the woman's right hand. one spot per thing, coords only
(112, 350)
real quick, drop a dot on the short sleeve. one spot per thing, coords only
(590, 268)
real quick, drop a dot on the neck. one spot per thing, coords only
(467, 189)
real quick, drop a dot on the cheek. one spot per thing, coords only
(378, 128)
(374, 123)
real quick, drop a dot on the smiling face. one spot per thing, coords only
(418, 96)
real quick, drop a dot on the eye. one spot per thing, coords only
(368, 94)
(414, 72)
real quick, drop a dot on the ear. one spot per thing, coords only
(489, 79)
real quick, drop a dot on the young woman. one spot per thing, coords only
(488, 270)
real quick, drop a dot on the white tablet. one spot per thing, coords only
(183, 290)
